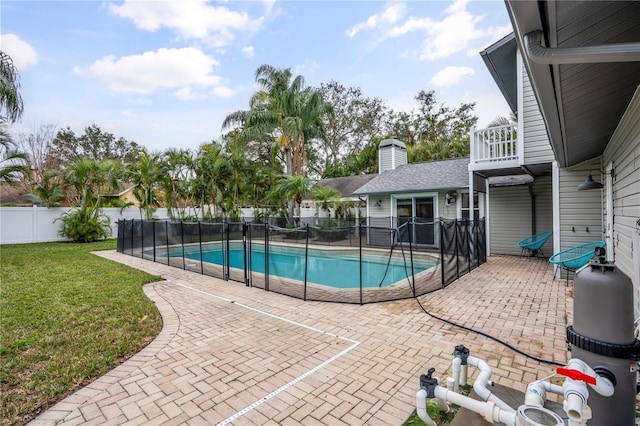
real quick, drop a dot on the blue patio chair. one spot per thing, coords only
(575, 257)
(534, 243)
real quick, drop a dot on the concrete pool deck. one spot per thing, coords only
(229, 354)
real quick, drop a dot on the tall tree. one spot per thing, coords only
(11, 106)
(146, 174)
(13, 163)
(38, 146)
(86, 179)
(93, 143)
(285, 110)
(356, 119)
(433, 124)
(293, 189)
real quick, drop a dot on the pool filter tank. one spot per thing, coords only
(603, 337)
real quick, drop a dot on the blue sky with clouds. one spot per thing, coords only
(166, 73)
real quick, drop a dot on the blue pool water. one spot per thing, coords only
(337, 270)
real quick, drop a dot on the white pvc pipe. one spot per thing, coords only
(489, 410)
(603, 385)
(550, 387)
(480, 384)
(421, 408)
(463, 375)
(455, 367)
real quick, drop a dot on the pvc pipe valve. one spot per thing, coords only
(576, 375)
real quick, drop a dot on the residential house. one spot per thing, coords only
(422, 192)
(571, 70)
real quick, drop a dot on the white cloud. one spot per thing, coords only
(187, 94)
(191, 19)
(140, 101)
(164, 69)
(452, 34)
(306, 68)
(450, 76)
(248, 51)
(390, 15)
(223, 92)
(21, 52)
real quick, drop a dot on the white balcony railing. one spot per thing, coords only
(495, 144)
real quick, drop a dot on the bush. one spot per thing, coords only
(85, 225)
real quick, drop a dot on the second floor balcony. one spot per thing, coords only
(494, 148)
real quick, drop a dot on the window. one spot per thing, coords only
(464, 210)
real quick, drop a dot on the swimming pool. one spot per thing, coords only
(338, 269)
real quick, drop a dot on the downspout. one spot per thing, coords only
(533, 210)
(603, 53)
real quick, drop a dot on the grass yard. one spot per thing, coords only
(67, 317)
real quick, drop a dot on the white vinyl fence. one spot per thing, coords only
(20, 225)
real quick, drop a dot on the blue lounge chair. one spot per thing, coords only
(575, 257)
(534, 243)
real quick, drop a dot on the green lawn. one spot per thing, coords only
(66, 318)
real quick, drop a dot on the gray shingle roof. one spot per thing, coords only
(346, 185)
(431, 175)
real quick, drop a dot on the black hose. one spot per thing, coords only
(481, 333)
(495, 339)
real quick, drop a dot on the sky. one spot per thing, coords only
(165, 74)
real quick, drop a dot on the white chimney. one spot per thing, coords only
(391, 154)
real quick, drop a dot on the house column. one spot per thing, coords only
(487, 227)
(555, 191)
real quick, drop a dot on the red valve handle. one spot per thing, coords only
(576, 375)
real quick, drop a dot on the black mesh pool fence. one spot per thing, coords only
(363, 261)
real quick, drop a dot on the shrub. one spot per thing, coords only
(85, 225)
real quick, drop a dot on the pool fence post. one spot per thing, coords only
(306, 260)
(225, 227)
(467, 234)
(184, 266)
(132, 236)
(266, 257)
(166, 231)
(360, 263)
(244, 252)
(413, 279)
(200, 238)
(457, 253)
(249, 256)
(142, 239)
(442, 240)
(154, 240)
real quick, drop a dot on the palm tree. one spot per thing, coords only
(293, 188)
(47, 192)
(176, 164)
(87, 177)
(13, 164)
(11, 106)
(146, 174)
(286, 110)
(210, 171)
(324, 196)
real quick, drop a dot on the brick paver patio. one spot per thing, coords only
(229, 354)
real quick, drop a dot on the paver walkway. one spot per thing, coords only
(229, 354)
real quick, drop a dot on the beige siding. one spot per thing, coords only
(509, 218)
(580, 211)
(537, 148)
(624, 152)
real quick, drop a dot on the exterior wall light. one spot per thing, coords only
(589, 184)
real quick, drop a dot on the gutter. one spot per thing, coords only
(620, 52)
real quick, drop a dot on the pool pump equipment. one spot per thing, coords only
(600, 383)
